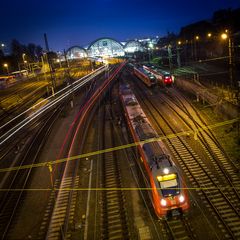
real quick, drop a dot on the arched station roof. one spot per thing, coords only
(76, 52)
(133, 46)
(105, 47)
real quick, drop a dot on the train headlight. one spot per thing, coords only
(163, 202)
(166, 171)
(181, 198)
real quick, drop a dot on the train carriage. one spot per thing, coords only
(164, 78)
(148, 78)
(168, 190)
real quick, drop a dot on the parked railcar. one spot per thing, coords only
(164, 78)
(147, 77)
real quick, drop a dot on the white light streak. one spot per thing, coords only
(52, 101)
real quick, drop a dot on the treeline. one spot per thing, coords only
(20, 53)
(202, 40)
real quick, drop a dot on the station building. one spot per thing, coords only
(109, 47)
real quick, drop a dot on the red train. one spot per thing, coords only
(168, 190)
(164, 77)
(147, 77)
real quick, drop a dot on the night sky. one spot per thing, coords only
(72, 22)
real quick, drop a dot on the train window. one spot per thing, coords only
(167, 177)
(168, 184)
(131, 101)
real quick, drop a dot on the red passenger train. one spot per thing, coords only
(148, 78)
(168, 190)
(163, 77)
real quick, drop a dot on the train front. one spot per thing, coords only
(172, 194)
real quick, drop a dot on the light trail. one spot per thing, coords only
(120, 147)
(96, 72)
(54, 101)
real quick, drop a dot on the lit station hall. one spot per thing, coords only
(106, 48)
(76, 52)
(120, 120)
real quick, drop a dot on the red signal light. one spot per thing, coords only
(167, 79)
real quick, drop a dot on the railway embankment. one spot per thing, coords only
(211, 96)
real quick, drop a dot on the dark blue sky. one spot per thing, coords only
(78, 22)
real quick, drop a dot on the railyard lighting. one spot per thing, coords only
(6, 66)
(224, 36)
(150, 45)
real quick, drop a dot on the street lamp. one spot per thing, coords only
(150, 47)
(6, 66)
(195, 46)
(209, 35)
(23, 57)
(2, 47)
(59, 61)
(226, 36)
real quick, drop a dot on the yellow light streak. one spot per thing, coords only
(121, 147)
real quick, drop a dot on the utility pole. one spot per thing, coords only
(230, 55)
(170, 56)
(178, 57)
(49, 61)
(46, 42)
(69, 79)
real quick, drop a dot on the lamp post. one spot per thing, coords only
(178, 53)
(59, 61)
(6, 66)
(208, 46)
(169, 48)
(2, 46)
(225, 36)
(196, 39)
(149, 50)
(23, 56)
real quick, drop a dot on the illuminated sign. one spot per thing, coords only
(167, 177)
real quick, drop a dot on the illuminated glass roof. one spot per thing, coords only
(76, 52)
(133, 46)
(105, 47)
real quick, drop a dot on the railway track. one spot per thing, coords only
(11, 200)
(114, 222)
(60, 211)
(177, 228)
(59, 221)
(207, 139)
(14, 109)
(223, 165)
(203, 178)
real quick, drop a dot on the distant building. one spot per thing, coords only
(109, 47)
